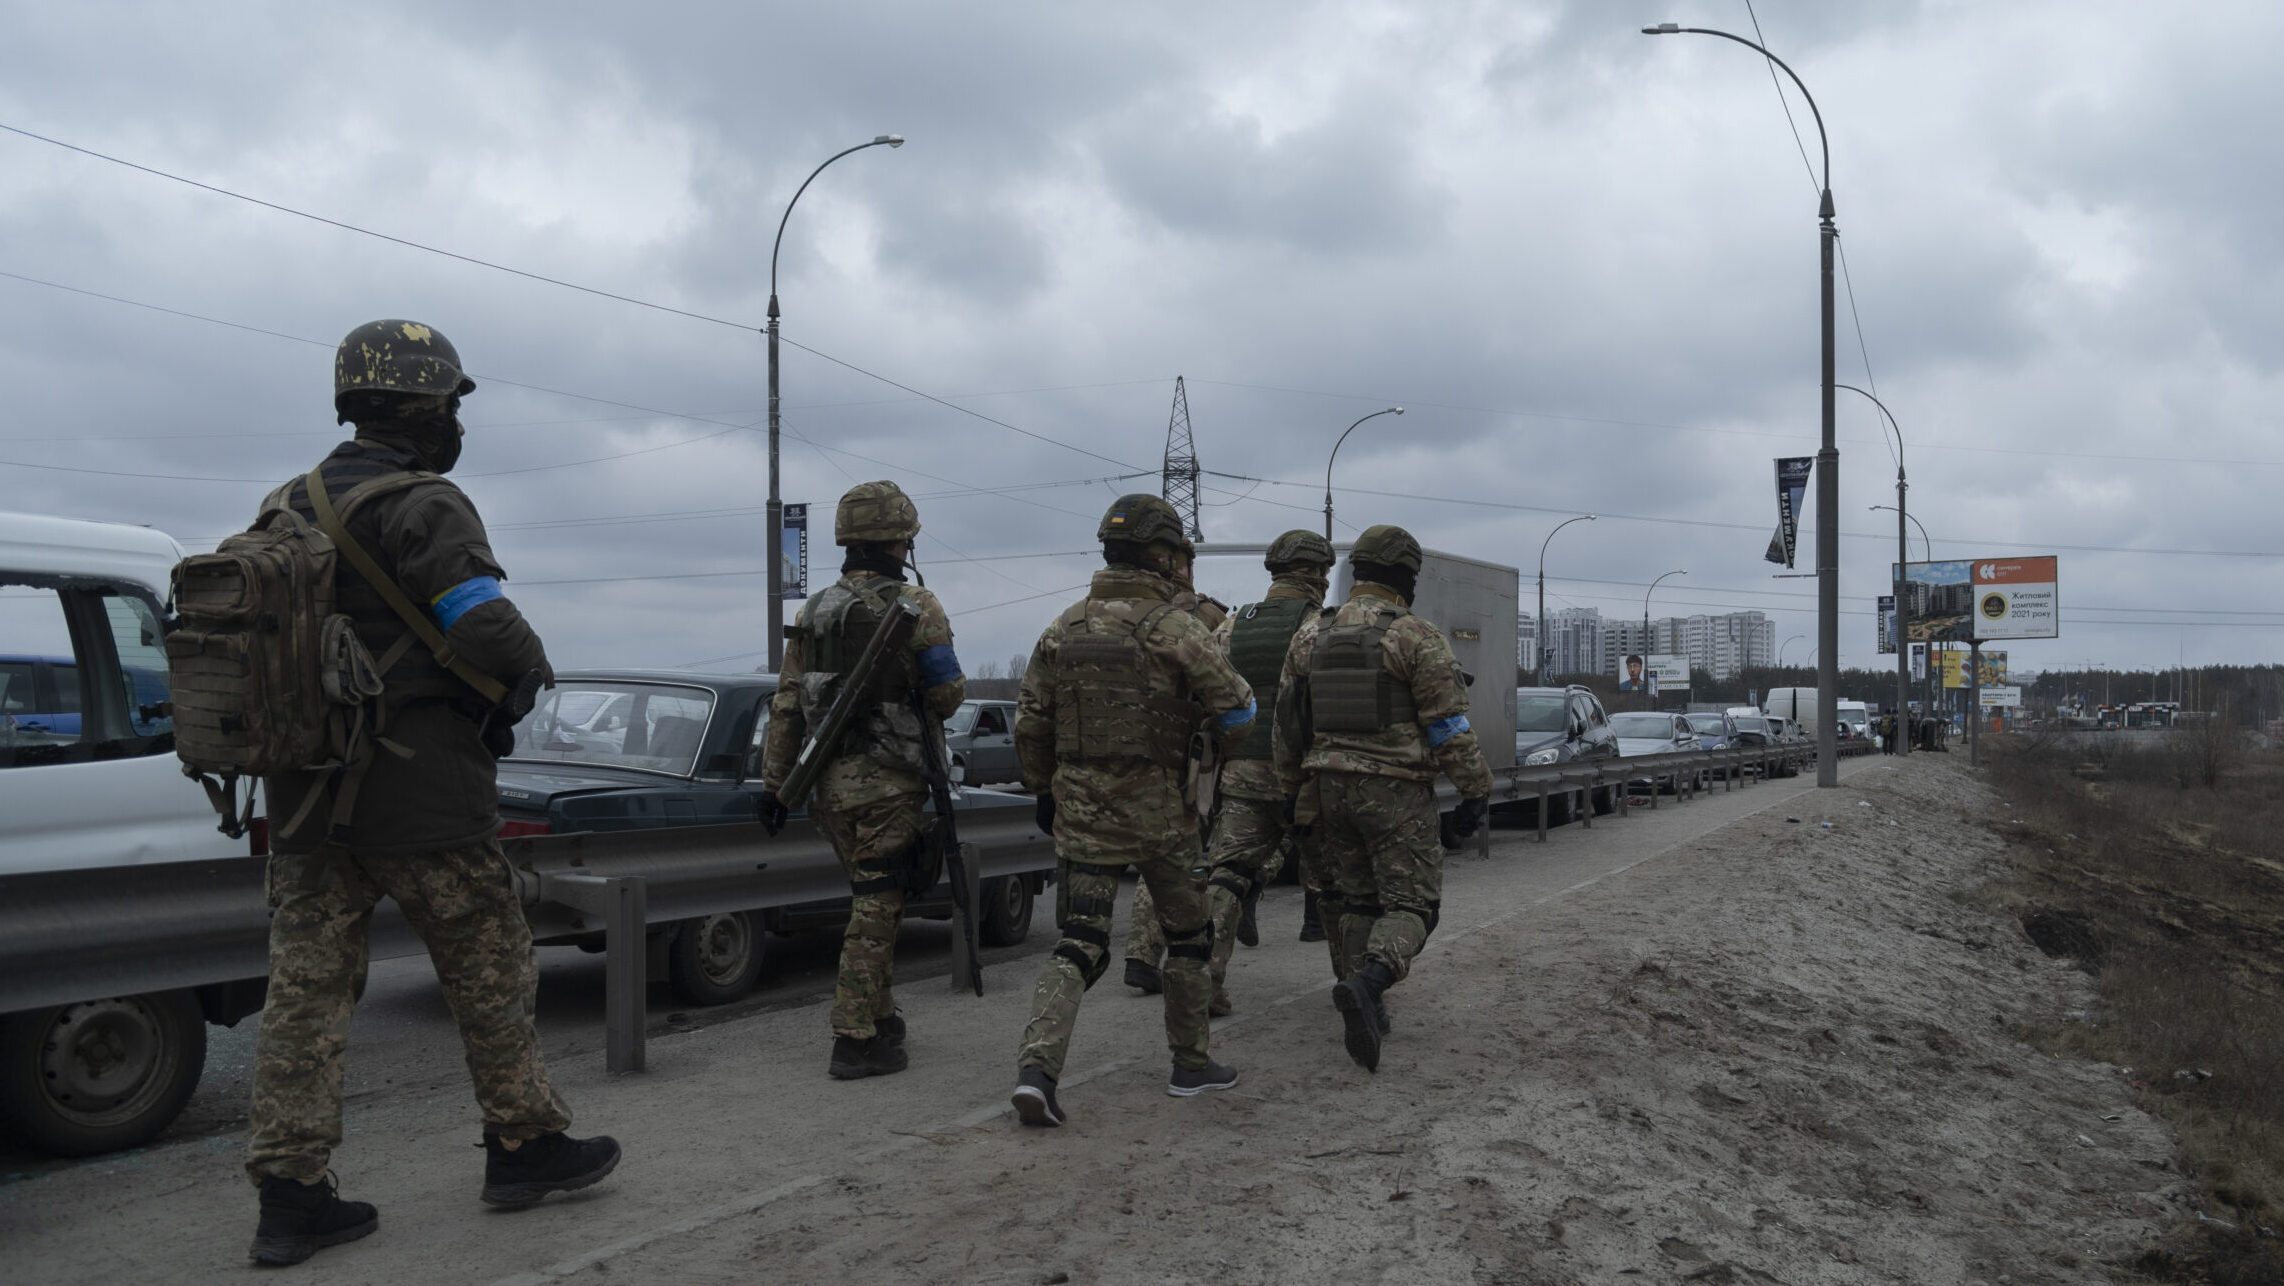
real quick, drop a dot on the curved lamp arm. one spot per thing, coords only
(1393, 410)
(893, 140)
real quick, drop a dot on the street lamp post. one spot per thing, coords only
(1828, 455)
(1902, 612)
(1678, 571)
(1927, 547)
(774, 541)
(1787, 643)
(1393, 410)
(1546, 672)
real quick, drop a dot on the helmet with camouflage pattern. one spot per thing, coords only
(1299, 546)
(398, 356)
(875, 513)
(1144, 519)
(1387, 546)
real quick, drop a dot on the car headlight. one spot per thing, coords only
(1546, 756)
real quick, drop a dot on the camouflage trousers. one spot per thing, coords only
(1085, 896)
(869, 839)
(1146, 942)
(462, 903)
(1380, 836)
(1248, 850)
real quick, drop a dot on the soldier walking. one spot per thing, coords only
(871, 787)
(417, 823)
(1372, 707)
(1253, 829)
(1117, 687)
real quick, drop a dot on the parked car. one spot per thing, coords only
(618, 750)
(1564, 725)
(1712, 727)
(40, 694)
(1653, 732)
(980, 736)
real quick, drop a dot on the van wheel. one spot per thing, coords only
(1006, 919)
(100, 1075)
(716, 958)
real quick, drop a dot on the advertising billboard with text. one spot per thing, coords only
(1970, 599)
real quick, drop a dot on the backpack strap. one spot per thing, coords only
(330, 522)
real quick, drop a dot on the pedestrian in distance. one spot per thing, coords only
(1117, 687)
(872, 784)
(1372, 707)
(441, 665)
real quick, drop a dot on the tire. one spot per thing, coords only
(1006, 919)
(1606, 801)
(716, 959)
(100, 1075)
(1558, 809)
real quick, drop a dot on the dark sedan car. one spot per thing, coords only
(1560, 726)
(622, 750)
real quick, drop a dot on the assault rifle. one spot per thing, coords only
(946, 835)
(894, 631)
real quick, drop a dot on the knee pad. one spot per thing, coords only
(1358, 906)
(1428, 916)
(1239, 885)
(1091, 959)
(877, 874)
(1194, 944)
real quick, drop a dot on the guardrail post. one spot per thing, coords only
(1586, 808)
(963, 979)
(1542, 810)
(622, 903)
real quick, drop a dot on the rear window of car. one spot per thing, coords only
(654, 727)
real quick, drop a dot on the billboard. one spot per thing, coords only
(1653, 672)
(1951, 667)
(1990, 672)
(1671, 670)
(1918, 662)
(1887, 624)
(1968, 599)
(2001, 696)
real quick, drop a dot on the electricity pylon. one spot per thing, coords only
(1180, 476)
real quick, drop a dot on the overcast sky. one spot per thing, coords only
(1583, 259)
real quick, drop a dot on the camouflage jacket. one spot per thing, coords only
(1257, 778)
(1112, 813)
(1415, 653)
(852, 779)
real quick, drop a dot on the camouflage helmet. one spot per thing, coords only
(1144, 519)
(1299, 546)
(1388, 546)
(875, 512)
(398, 356)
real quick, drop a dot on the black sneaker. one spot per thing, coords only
(855, 1059)
(1249, 922)
(890, 1029)
(1212, 1076)
(1034, 1098)
(1144, 977)
(550, 1163)
(299, 1219)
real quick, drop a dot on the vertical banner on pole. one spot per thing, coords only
(796, 552)
(1887, 624)
(1791, 489)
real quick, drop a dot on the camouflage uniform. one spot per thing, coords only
(1145, 937)
(870, 795)
(420, 827)
(1370, 796)
(1116, 773)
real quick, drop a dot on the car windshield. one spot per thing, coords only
(655, 727)
(1541, 712)
(1642, 723)
(1751, 723)
(962, 721)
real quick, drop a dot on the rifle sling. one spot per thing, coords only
(487, 687)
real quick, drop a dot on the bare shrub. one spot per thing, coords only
(2204, 749)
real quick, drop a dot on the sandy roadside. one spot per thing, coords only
(1781, 1053)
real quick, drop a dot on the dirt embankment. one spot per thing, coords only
(1790, 1052)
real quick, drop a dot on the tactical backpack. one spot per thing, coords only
(266, 677)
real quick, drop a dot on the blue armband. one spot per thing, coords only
(938, 666)
(455, 602)
(1239, 717)
(1443, 730)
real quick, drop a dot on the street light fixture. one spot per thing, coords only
(1926, 546)
(1895, 588)
(1927, 693)
(1787, 643)
(1393, 410)
(774, 542)
(1546, 669)
(1828, 455)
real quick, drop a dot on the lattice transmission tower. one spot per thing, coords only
(1180, 476)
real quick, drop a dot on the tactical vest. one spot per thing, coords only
(1257, 646)
(1350, 689)
(841, 619)
(1105, 710)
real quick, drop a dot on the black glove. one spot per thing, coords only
(498, 730)
(1043, 812)
(1468, 817)
(498, 738)
(771, 810)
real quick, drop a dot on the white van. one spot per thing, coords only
(107, 975)
(1797, 706)
(1857, 715)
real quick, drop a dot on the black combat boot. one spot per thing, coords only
(855, 1059)
(519, 1177)
(299, 1219)
(1357, 997)
(890, 1029)
(1249, 921)
(1312, 921)
(1144, 977)
(1187, 1082)
(1034, 1098)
